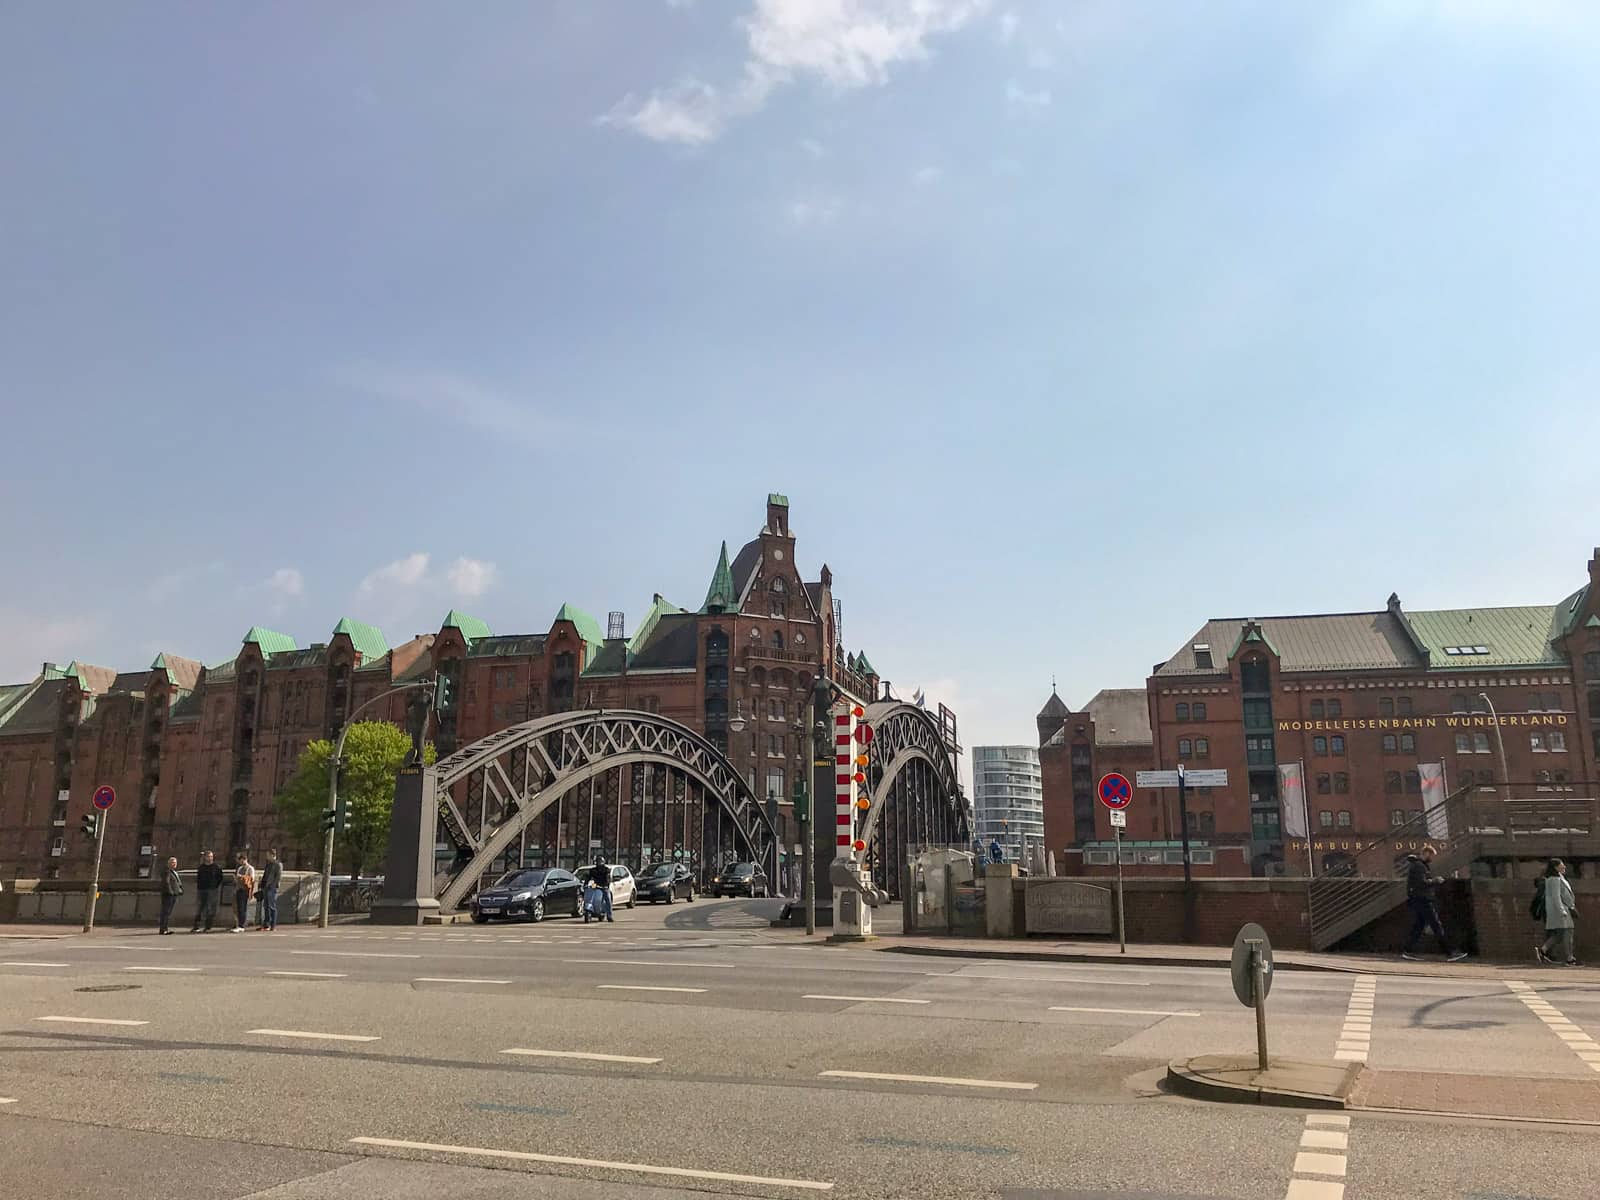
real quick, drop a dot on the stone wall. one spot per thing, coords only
(138, 901)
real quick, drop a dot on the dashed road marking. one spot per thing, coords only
(640, 987)
(351, 954)
(30, 963)
(951, 1080)
(869, 999)
(562, 1160)
(321, 1037)
(310, 974)
(440, 979)
(1572, 1034)
(180, 970)
(644, 962)
(1320, 1162)
(92, 1021)
(1132, 1012)
(1355, 1036)
(615, 1058)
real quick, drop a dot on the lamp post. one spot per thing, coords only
(1505, 778)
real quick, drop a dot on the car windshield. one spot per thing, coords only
(662, 872)
(520, 879)
(742, 869)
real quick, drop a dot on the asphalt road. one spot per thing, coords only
(691, 1050)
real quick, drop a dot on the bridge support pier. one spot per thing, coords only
(408, 876)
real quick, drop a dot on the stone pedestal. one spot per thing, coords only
(408, 876)
(999, 911)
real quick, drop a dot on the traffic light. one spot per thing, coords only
(329, 816)
(443, 694)
(91, 825)
(802, 800)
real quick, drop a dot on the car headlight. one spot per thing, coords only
(716, 879)
(523, 896)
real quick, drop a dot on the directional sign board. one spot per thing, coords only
(1193, 778)
(1156, 779)
(1115, 790)
(1119, 818)
(105, 796)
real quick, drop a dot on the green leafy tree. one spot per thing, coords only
(376, 751)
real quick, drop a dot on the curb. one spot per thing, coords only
(1196, 1079)
(1049, 956)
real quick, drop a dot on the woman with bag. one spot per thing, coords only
(1560, 916)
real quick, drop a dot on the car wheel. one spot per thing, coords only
(536, 910)
(479, 919)
(669, 896)
(632, 899)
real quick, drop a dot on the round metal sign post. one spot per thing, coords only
(1252, 978)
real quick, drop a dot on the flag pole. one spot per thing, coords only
(1305, 810)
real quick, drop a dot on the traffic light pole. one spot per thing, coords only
(94, 883)
(333, 797)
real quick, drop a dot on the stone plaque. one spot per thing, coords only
(1066, 906)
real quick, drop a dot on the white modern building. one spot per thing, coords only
(1008, 798)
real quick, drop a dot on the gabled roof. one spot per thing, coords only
(674, 643)
(1326, 642)
(470, 627)
(12, 695)
(1570, 609)
(186, 707)
(588, 628)
(38, 711)
(130, 681)
(367, 639)
(220, 672)
(642, 635)
(92, 679)
(744, 568)
(721, 594)
(1511, 637)
(1055, 707)
(181, 672)
(291, 660)
(863, 666)
(1121, 717)
(609, 660)
(508, 645)
(268, 641)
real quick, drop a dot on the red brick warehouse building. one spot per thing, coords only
(1362, 699)
(198, 753)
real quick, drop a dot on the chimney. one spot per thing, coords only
(1394, 603)
(614, 625)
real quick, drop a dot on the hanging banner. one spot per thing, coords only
(1438, 820)
(1292, 793)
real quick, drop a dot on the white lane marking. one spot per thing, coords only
(7, 1100)
(1328, 1121)
(562, 1160)
(351, 954)
(1314, 1189)
(1355, 1035)
(91, 1021)
(310, 974)
(1132, 1012)
(1570, 1033)
(946, 1079)
(440, 979)
(868, 999)
(1325, 1139)
(1323, 1144)
(643, 962)
(1309, 1162)
(31, 963)
(640, 987)
(1039, 979)
(616, 1058)
(107, 946)
(306, 1033)
(177, 969)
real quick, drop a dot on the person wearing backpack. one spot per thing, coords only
(1556, 904)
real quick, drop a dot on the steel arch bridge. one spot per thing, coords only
(554, 790)
(914, 789)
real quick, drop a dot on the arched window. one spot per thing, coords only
(777, 639)
(1392, 782)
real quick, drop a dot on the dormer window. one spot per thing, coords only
(1202, 657)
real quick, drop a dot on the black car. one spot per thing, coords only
(529, 893)
(741, 879)
(665, 882)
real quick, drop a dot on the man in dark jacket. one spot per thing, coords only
(271, 876)
(207, 891)
(1422, 891)
(600, 874)
(171, 889)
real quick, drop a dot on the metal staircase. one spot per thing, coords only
(1372, 883)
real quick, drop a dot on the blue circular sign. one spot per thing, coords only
(1115, 790)
(105, 796)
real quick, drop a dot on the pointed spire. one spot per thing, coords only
(719, 596)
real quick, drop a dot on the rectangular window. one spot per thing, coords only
(1397, 816)
(1403, 706)
(1414, 783)
(1317, 710)
(1386, 707)
(1391, 782)
(1591, 664)
(1536, 743)
(1258, 714)
(1185, 748)
(775, 783)
(1338, 743)
(1463, 743)
(1558, 742)
(1341, 783)
(1259, 751)
(1480, 743)
(1202, 660)
(775, 745)
(1335, 708)
(1183, 712)
(1199, 710)
(1319, 745)
(1325, 819)
(1390, 743)
(1324, 784)
(1202, 747)
(1344, 818)
(1408, 743)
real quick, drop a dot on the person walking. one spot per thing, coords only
(171, 889)
(244, 886)
(601, 877)
(1560, 917)
(267, 889)
(207, 891)
(1422, 891)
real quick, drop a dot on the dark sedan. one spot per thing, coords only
(665, 883)
(741, 879)
(530, 894)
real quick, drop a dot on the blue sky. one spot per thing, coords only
(1064, 326)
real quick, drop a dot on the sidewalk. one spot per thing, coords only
(1049, 950)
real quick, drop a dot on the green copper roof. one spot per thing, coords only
(720, 594)
(641, 636)
(588, 628)
(367, 639)
(863, 666)
(268, 641)
(1489, 637)
(471, 628)
(777, 498)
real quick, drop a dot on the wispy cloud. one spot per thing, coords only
(926, 176)
(287, 582)
(1006, 27)
(844, 44)
(452, 396)
(471, 577)
(1022, 101)
(32, 639)
(172, 583)
(810, 211)
(402, 573)
(813, 148)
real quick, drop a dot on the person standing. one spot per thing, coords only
(1560, 917)
(208, 891)
(171, 889)
(244, 885)
(1422, 891)
(267, 889)
(601, 877)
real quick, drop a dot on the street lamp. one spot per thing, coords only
(736, 722)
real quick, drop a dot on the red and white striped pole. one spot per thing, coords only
(844, 775)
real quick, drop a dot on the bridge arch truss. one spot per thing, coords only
(915, 791)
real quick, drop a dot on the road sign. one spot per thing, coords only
(1115, 790)
(595, 843)
(864, 734)
(1156, 779)
(105, 796)
(1243, 984)
(1119, 818)
(1206, 778)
